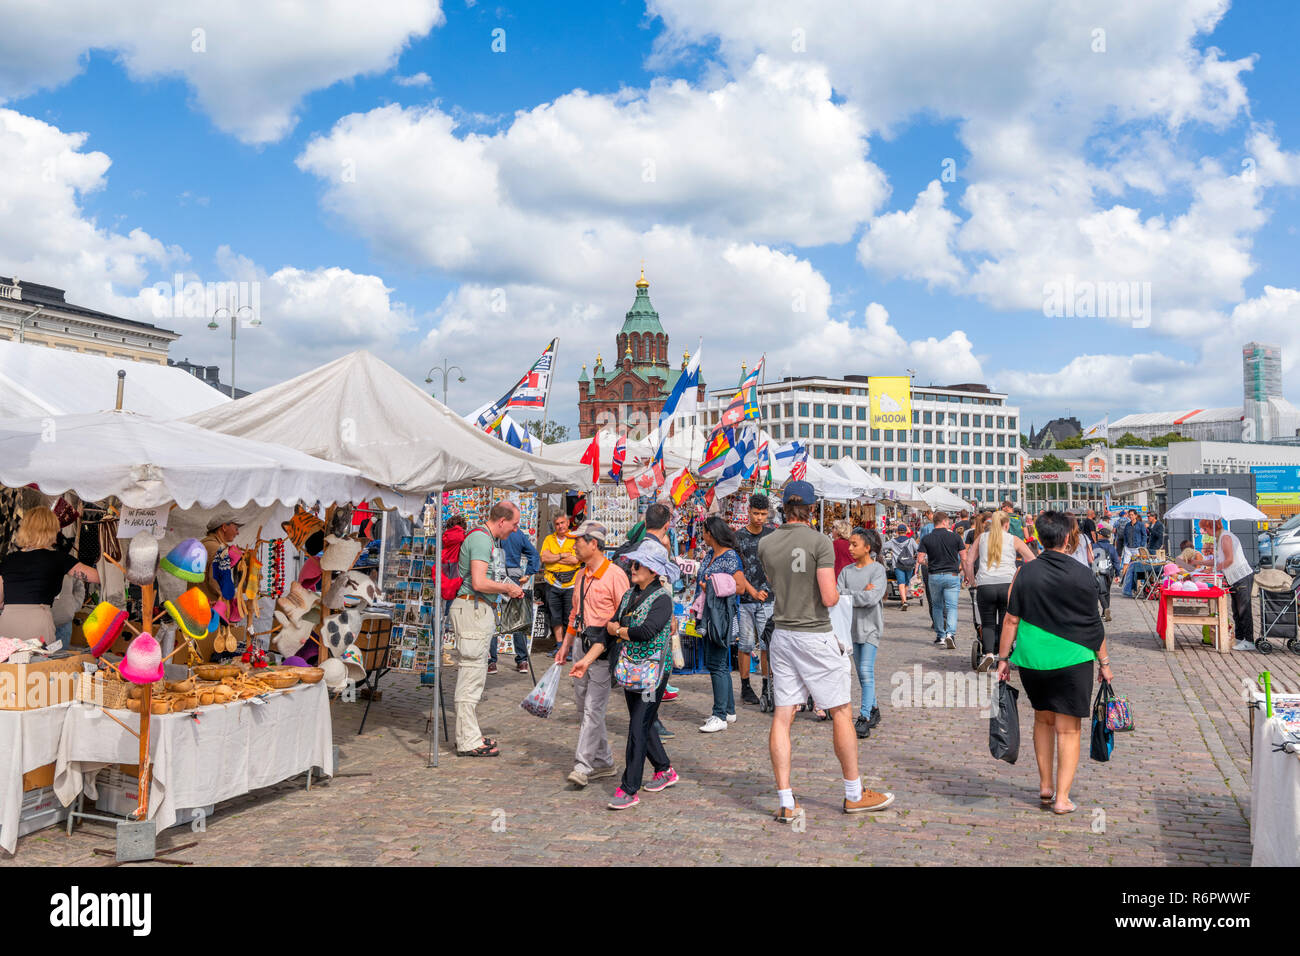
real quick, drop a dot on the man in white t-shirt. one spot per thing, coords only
(806, 657)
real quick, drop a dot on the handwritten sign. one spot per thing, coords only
(142, 521)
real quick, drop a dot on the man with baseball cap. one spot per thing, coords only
(599, 589)
(806, 657)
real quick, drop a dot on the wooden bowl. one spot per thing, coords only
(206, 697)
(279, 679)
(163, 706)
(308, 675)
(181, 686)
(216, 671)
(133, 704)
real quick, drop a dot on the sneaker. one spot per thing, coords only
(623, 801)
(669, 694)
(731, 718)
(522, 667)
(1243, 646)
(663, 732)
(713, 725)
(870, 801)
(938, 642)
(787, 814)
(747, 695)
(578, 778)
(874, 719)
(662, 781)
(600, 772)
(903, 606)
(986, 662)
(862, 727)
(950, 642)
(492, 667)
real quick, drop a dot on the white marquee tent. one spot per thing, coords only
(362, 412)
(36, 380)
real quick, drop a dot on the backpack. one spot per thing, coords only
(1101, 562)
(907, 555)
(1017, 527)
(451, 576)
(620, 554)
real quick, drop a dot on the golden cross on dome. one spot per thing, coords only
(641, 283)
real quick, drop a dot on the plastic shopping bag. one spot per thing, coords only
(842, 621)
(1004, 724)
(541, 699)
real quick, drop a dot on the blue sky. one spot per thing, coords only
(497, 176)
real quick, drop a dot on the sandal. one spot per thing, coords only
(1045, 800)
(821, 715)
(484, 751)
(1063, 812)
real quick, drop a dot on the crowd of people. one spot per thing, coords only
(1040, 591)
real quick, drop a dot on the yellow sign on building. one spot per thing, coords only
(891, 401)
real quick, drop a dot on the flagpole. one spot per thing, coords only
(546, 402)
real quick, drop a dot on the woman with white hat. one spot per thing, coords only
(644, 624)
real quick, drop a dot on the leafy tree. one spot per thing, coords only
(1049, 463)
(1127, 439)
(555, 432)
(1159, 441)
(1024, 440)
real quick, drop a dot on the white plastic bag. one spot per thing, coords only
(842, 621)
(540, 701)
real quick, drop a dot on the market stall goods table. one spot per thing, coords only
(28, 739)
(204, 756)
(1166, 618)
(1274, 796)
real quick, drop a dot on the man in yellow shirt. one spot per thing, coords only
(560, 569)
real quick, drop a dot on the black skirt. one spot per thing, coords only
(1063, 690)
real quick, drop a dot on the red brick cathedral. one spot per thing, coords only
(631, 393)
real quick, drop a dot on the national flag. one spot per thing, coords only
(744, 406)
(646, 483)
(795, 454)
(620, 455)
(683, 486)
(740, 461)
(684, 397)
(592, 457)
(719, 445)
(529, 392)
(1097, 429)
(764, 473)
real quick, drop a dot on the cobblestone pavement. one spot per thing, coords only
(1175, 793)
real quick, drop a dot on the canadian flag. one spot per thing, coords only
(646, 483)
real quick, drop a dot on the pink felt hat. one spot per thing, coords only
(143, 661)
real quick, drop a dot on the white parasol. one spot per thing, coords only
(1215, 507)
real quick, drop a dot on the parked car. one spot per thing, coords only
(1278, 546)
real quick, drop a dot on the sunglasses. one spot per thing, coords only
(635, 565)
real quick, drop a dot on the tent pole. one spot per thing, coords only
(437, 632)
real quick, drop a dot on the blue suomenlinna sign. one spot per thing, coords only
(1276, 479)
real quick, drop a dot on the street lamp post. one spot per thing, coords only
(446, 374)
(234, 324)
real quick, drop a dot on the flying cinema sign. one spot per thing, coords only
(1044, 477)
(891, 401)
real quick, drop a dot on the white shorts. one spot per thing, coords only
(808, 664)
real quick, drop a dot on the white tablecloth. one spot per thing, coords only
(28, 739)
(1274, 798)
(229, 750)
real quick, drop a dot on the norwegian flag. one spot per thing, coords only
(620, 455)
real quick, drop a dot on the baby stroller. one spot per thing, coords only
(1279, 611)
(915, 591)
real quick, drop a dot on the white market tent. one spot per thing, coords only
(685, 446)
(853, 472)
(362, 412)
(941, 499)
(36, 381)
(146, 462)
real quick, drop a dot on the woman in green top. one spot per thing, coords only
(1053, 621)
(644, 622)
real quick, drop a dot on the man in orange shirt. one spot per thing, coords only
(599, 589)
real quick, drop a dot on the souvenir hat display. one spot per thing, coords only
(340, 553)
(142, 560)
(187, 561)
(305, 531)
(143, 661)
(352, 660)
(336, 673)
(191, 612)
(350, 590)
(297, 602)
(102, 627)
(292, 635)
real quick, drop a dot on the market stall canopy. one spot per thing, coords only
(941, 499)
(1215, 507)
(850, 470)
(146, 462)
(36, 380)
(685, 445)
(362, 412)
